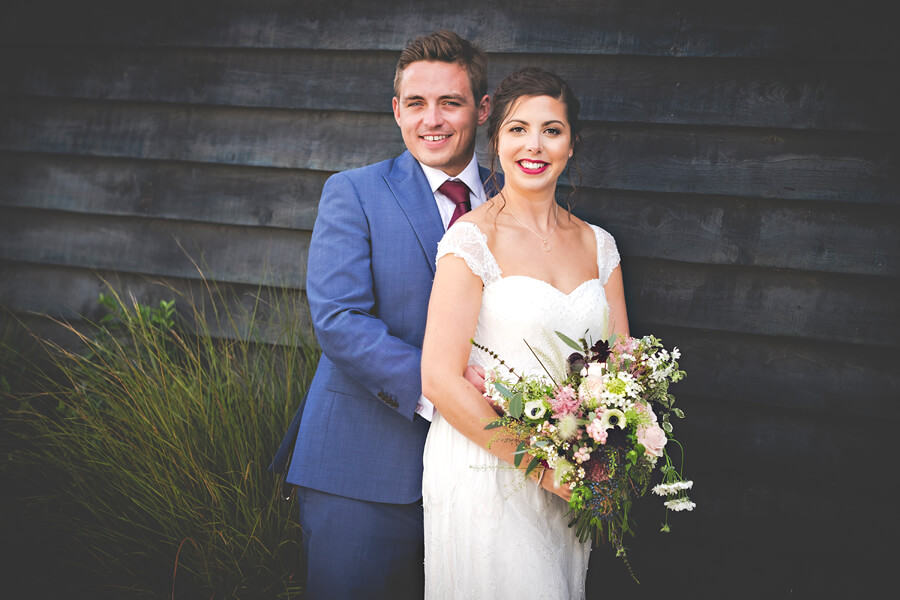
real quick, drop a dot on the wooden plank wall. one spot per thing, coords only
(744, 157)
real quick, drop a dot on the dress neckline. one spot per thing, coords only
(548, 284)
(501, 277)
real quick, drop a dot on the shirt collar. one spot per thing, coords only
(470, 176)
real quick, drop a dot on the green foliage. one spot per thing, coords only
(158, 441)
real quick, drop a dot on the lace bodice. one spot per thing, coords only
(519, 307)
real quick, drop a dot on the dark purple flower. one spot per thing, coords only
(575, 362)
(599, 351)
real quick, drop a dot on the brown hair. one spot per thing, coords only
(446, 46)
(529, 82)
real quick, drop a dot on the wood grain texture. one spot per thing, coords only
(696, 91)
(251, 137)
(791, 165)
(827, 237)
(773, 372)
(261, 313)
(811, 236)
(779, 303)
(230, 254)
(209, 193)
(692, 28)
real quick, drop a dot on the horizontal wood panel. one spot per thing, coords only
(742, 300)
(790, 165)
(810, 236)
(766, 372)
(230, 195)
(826, 237)
(839, 308)
(773, 164)
(656, 27)
(253, 137)
(250, 255)
(624, 88)
(71, 294)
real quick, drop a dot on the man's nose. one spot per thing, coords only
(433, 116)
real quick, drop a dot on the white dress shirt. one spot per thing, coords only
(436, 178)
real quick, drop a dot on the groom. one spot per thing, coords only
(358, 453)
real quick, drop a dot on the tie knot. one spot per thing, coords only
(457, 191)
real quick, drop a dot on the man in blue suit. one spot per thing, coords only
(357, 461)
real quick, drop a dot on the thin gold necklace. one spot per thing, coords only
(545, 241)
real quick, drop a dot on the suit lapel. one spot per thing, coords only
(411, 190)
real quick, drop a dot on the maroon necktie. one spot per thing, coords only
(458, 192)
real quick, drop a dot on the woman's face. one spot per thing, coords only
(534, 144)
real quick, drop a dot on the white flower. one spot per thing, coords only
(664, 489)
(679, 504)
(668, 489)
(535, 409)
(612, 417)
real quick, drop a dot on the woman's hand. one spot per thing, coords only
(546, 482)
(475, 375)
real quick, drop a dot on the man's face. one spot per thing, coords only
(437, 114)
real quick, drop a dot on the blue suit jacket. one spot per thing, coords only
(371, 267)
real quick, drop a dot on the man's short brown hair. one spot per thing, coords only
(446, 46)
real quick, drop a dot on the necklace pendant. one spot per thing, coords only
(545, 246)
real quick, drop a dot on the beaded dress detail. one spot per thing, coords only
(489, 534)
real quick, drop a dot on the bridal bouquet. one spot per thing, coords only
(602, 429)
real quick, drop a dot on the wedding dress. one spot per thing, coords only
(489, 533)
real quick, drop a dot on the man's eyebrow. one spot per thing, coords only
(458, 97)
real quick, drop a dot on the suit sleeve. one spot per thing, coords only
(340, 289)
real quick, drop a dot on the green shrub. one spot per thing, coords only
(158, 437)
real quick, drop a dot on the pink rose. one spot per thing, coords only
(653, 438)
(591, 387)
(644, 408)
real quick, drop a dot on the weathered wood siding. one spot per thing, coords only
(744, 157)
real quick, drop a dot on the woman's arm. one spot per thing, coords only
(615, 297)
(452, 318)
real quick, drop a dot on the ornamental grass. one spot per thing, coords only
(145, 447)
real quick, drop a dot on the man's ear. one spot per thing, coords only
(395, 105)
(484, 109)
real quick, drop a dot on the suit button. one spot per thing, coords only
(388, 399)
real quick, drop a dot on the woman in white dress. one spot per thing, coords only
(515, 269)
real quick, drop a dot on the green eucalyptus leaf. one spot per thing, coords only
(504, 391)
(516, 405)
(535, 462)
(569, 341)
(519, 453)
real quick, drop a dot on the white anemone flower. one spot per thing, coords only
(612, 417)
(535, 409)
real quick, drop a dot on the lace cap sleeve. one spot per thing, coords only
(467, 242)
(607, 253)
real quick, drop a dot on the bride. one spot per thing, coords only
(516, 269)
